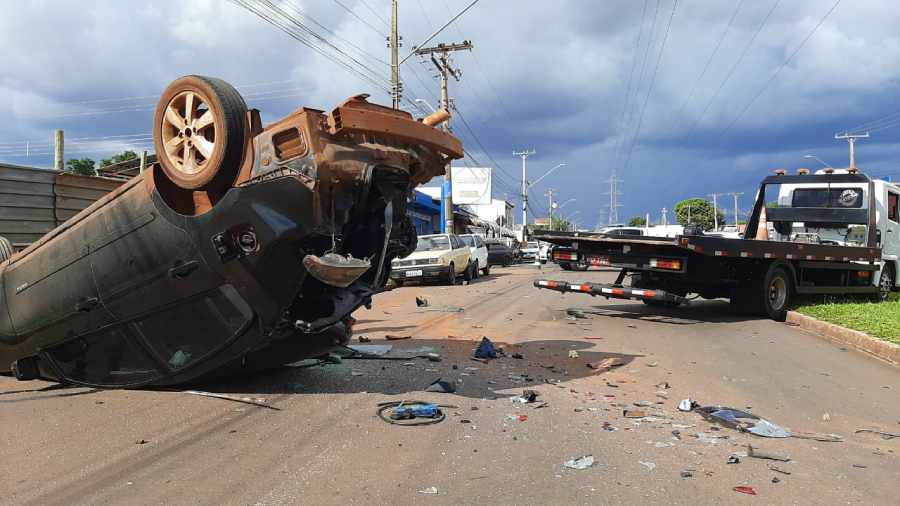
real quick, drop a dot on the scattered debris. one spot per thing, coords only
(141, 442)
(687, 473)
(443, 309)
(634, 413)
(580, 463)
(576, 313)
(742, 421)
(371, 349)
(332, 358)
(391, 337)
(527, 397)
(664, 385)
(244, 400)
(573, 354)
(816, 436)
(653, 364)
(517, 356)
(608, 427)
(364, 339)
(733, 460)
(486, 349)
(429, 491)
(421, 301)
(745, 490)
(709, 439)
(687, 405)
(884, 435)
(773, 468)
(642, 404)
(758, 454)
(860, 466)
(441, 386)
(775, 479)
(606, 364)
(649, 465)
(826, 417)
(593, 338)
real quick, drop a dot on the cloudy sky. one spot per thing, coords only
(681, 98)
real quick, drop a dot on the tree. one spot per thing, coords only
(637, 221)
(697, 211)
(560, 224)
(121, 157)
(84, 166)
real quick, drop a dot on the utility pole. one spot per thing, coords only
(736, 208)
(715, 211)
(665, 219)
(549, 194)
(394, 43)
(851, 138)
(525, 153)
(614, 194)
(442, 62)
(143, 162)
(58, 151)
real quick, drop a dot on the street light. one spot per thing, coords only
(560, 206)
(423, 101)
(814, 157)
(530, 184)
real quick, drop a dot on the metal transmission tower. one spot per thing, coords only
(525, 153)
(614, 195)
(851, 138)
(394, 44)
(442, 62)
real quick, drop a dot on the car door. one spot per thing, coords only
(482, 251)
(891, 240)
(460, 253)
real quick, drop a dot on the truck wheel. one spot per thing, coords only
(776, 292)
(451, 275)
(486, 270)
(885, 283)
(198, 132)
(6, 249)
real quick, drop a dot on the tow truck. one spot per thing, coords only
(836, 231)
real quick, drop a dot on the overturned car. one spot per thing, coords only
(242, 248)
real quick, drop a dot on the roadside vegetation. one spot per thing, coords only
(878, 320)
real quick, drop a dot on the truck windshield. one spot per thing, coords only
(436, 243)
(846, 198)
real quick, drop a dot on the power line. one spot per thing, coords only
(652, 82)
(634, 59)
(733, 68)
(439, 30)
(373, 11)
(363, 21)
(781, 67)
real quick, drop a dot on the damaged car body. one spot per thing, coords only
(242, 248)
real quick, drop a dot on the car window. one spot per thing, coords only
(108, 358)
(468, 240)
(478, 241)
(893, 214)
(433, 243)
(531, 244)
(454, 241)
(828, 197)
(204, 324)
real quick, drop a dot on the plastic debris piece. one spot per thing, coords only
(527, 397)
(391, 337)
(608, 427)
(884, 435)
(766, 428)
(441, 386)
(817, 436)
(685, 405)
(634, 413)
(259, 401)
(745, 490)
(421, 301)
(782, 471)
(826, 417)
(733, 460)
(649, 465)
(573, 354)
(429, 491)
(364, 339)
(606, 364)
(580, 463)
(708, 439)
(642, 404)
(759, 454)
(576, 313)
(742, 421)
(517, 356)
(372, 349)
(687, 473)
(485, 349)
(522, 418)
(653, 364)
(775, 479)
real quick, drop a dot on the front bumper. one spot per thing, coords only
(414, 272)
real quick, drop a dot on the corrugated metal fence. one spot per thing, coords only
(34, 201)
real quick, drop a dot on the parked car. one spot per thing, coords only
(543, 252)
(499, 253)
(242, 248)
(437, 256)
(530, 251)
(478, 254)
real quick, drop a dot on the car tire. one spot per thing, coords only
(451, 275)
(469, 275)
(199, 132)
(487, 270)
(6, 249)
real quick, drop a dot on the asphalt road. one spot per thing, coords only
(318, 440)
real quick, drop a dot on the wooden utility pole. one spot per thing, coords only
(394, 42)
(58, 162)
(442, 62)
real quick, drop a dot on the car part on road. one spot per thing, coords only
(756, 453)
(421, 301)
(392, 337)
(884, 435)
(411, 413)
(441, 386)
(580, 463)
(244, 400)
(742, 421)
(745, 490)
(527, 397)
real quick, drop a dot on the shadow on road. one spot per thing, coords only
(543, 362)
(706, 311)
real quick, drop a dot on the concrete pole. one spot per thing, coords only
(143, 162)
(395, 57)
(58, 153)
(447, 201)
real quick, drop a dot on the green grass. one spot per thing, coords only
(878, 320)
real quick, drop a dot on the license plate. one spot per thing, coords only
(598, 260)
(413, 274)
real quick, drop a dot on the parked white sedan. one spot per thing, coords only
(478, 254)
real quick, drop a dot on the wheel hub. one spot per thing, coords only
(188, 132)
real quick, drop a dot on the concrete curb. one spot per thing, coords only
(884, 350)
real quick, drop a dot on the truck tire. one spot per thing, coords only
(885, 283)
(6, 249)
(775, 293)
(198, 132)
